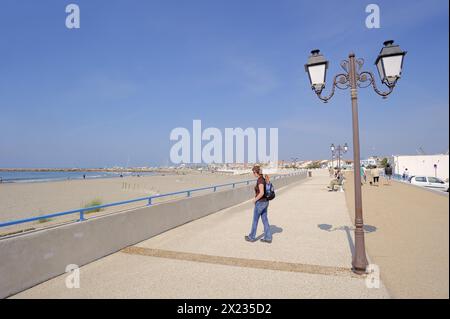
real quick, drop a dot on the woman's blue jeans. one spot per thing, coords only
(260, 211)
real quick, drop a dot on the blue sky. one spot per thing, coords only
(110, 92)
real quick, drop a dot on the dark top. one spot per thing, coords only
(262, 181)
(388, 170)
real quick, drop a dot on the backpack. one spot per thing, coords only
(269, 191)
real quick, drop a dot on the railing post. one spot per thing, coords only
(234, 185)
(81, 215)
(149, 201)
(215, 188)
(188, 193)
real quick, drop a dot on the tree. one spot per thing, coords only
(384, 162)
(315, 164)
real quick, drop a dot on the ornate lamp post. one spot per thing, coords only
(340, 150)
(332, 156)
(389, 64)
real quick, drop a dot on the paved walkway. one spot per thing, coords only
(409, 241)
(309, 257)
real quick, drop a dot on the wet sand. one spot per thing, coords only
(411, 240)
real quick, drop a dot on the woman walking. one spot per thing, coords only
(260, 210)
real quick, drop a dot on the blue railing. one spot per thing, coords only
(149, 199)
(399, 177)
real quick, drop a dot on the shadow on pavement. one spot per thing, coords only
(347, 229)
(273, 230)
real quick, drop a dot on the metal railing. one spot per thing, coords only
(149, 199)
(400, 178)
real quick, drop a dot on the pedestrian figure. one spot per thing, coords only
(375, 175)
(405, 174)
(260, 209)
(388, 173)
(363, 174)
(337, 181)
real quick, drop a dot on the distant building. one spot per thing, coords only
(373, 160)
(422, 165)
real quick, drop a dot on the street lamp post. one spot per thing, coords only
(332, 154)
(340, 150)
(435, 170)
(389, 64)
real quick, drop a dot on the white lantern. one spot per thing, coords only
(390, 63)
(317, 69)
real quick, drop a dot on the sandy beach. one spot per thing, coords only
(410, 238)
(23, 200)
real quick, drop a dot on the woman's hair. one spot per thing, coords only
(257, 170)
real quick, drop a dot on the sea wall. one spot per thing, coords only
(32, 258)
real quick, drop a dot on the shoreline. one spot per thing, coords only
(63, 179)
(24, 200)
(39, 175)
(109, 170)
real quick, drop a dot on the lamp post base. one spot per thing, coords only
(359, 262)
(359, 271)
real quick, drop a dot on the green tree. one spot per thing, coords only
(315, 164)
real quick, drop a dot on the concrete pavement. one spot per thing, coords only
(310, 256)
(410, 244)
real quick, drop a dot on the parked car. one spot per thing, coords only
(430, 182)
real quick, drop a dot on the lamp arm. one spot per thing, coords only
(362, 78)
(343, 80)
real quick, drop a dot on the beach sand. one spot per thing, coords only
(23, 200)
(410, 242)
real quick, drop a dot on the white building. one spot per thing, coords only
(370, 161)
(422, 165)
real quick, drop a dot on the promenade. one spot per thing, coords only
(409, 239)
(310, 256)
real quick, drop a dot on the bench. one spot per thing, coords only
(339, 187)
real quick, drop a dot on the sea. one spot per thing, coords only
(49, 176)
